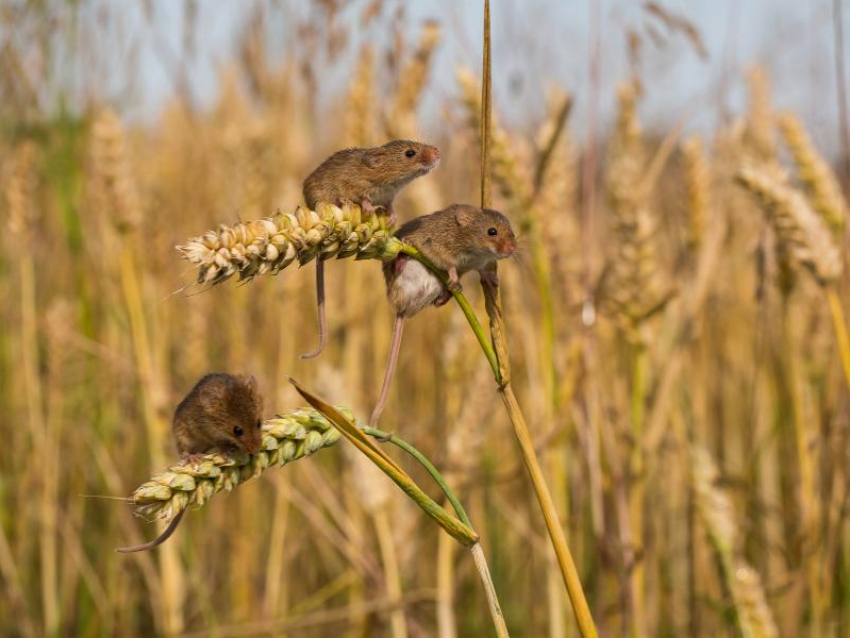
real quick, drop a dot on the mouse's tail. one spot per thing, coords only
(320, 307)
(398, 327)
(159, 540)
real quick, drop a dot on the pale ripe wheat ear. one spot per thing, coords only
(635, 290)
(269, 245)
(19, 178)
(806, 236)
(360, 116)
(815, 174)
(759, 133)
(286, 438)
(796, 224)
(111, 165)
(414, 75)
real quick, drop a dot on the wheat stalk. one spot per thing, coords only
(286, 438)
(697, 180)
(715, 508)
(269, 245)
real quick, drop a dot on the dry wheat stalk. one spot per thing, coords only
(286, 438)
(715, 508)
(697, 179)
(801, 230)
(816, 175)
(269, 245)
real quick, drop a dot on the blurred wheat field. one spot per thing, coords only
(677, 317)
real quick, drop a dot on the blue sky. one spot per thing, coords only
(538, 43)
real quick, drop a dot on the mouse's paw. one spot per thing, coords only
(454, 280)
(444, 298)
(368, 207)
(192, 459)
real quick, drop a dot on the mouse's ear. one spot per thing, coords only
(371, 160)
(466, 215)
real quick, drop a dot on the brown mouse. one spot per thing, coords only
(457, 239)
(222, 413)
(371, 178)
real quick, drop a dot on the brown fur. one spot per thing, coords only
(206, 420)
(457, 240)
(374, 175)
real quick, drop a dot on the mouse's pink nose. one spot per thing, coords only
(431, 154)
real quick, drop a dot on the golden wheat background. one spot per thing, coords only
(678, 338)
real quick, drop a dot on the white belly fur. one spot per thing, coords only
(414, 288)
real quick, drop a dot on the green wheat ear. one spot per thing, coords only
(286, 438)
(270, 244)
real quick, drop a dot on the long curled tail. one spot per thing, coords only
(320, 306)
(159, 540)
(398, 327)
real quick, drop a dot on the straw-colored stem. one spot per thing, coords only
(34, 397)
(446, 623)
(840, 325)
(392, 574)
(493, 302)
(637, 566)
(807, 496)
(550, 515)
(173, 590)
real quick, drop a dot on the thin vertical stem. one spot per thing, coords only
(841, 86)
(493, 304)
(840, 326)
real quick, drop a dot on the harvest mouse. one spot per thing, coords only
(371, 178)
(457, 239)
(222, 413)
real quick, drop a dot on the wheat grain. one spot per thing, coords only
(796, 224)
(815, 174)
(286, 438)
(269, 245)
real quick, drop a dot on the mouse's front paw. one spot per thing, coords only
(444, 298)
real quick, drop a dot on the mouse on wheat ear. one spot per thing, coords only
(457, 240)
(222, 413)
(370, 178)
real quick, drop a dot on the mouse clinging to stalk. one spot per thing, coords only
(370, 178)
(222, 413)
(457, 239)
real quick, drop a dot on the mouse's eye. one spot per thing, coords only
(259, 424)
(238, 431)
(492, 231)
(410, 152)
